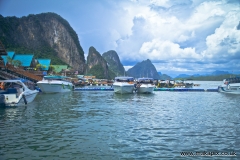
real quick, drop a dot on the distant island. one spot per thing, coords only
(208, 77)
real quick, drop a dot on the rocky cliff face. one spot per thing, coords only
(143, 69)
(96, 64)
(114, 63)
(45, 35)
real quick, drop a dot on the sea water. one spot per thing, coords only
(104, 125)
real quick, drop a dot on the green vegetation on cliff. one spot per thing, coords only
(97, 71)
(27, 35)
(114, 64)
(96, 64)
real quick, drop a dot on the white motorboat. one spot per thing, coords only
(145, 85)
(230, 85)
(15, 93)
(55, 84)
(123, 85)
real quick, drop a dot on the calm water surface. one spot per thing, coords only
(104, 125)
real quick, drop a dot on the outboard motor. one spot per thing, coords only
(2, 100)
(135, 87)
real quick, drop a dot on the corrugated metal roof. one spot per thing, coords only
(44, 62)
(25, 59)
(58, 68)
(2, 50)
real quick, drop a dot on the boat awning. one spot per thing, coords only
(54, 77)
(142, 79)
(124, 78)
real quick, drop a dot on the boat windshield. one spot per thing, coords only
(232, 80)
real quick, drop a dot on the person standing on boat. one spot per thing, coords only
(2, 86)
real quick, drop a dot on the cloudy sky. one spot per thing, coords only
(178, 36)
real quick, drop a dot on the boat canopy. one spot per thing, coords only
(124, 79)
(14, 81)
(232, 80)
(145, 80)
(55, 77)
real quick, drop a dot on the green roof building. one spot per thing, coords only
(59, 68)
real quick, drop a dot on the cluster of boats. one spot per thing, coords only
(124, 85)
(15, 92)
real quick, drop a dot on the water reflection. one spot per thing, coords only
(89, 125)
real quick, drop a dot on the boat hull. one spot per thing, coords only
(229, 89)
(123, 88)
(12, 99)
(145, 88)
(55, 87)
(28, 98)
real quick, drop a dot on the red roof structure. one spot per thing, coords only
(2, 51)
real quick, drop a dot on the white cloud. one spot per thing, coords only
(166, 50)
(207, 33)
(163, 3)
(225, 42)
(205, 11)
(127, 67)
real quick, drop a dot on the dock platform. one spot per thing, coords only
(156, 89)
(186, 89)
(94, 89)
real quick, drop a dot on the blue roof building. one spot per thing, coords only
(44, 62)
(26, 60)
(4, 59)
(9, 54)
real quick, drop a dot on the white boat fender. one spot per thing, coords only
(229, 87)
(24, 99)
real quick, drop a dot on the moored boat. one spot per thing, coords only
(15, 93)
(182, 83)
(145, 85)
(123, 85)
(55, 84)
(230, 85)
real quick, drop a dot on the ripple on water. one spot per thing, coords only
(89, 125)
